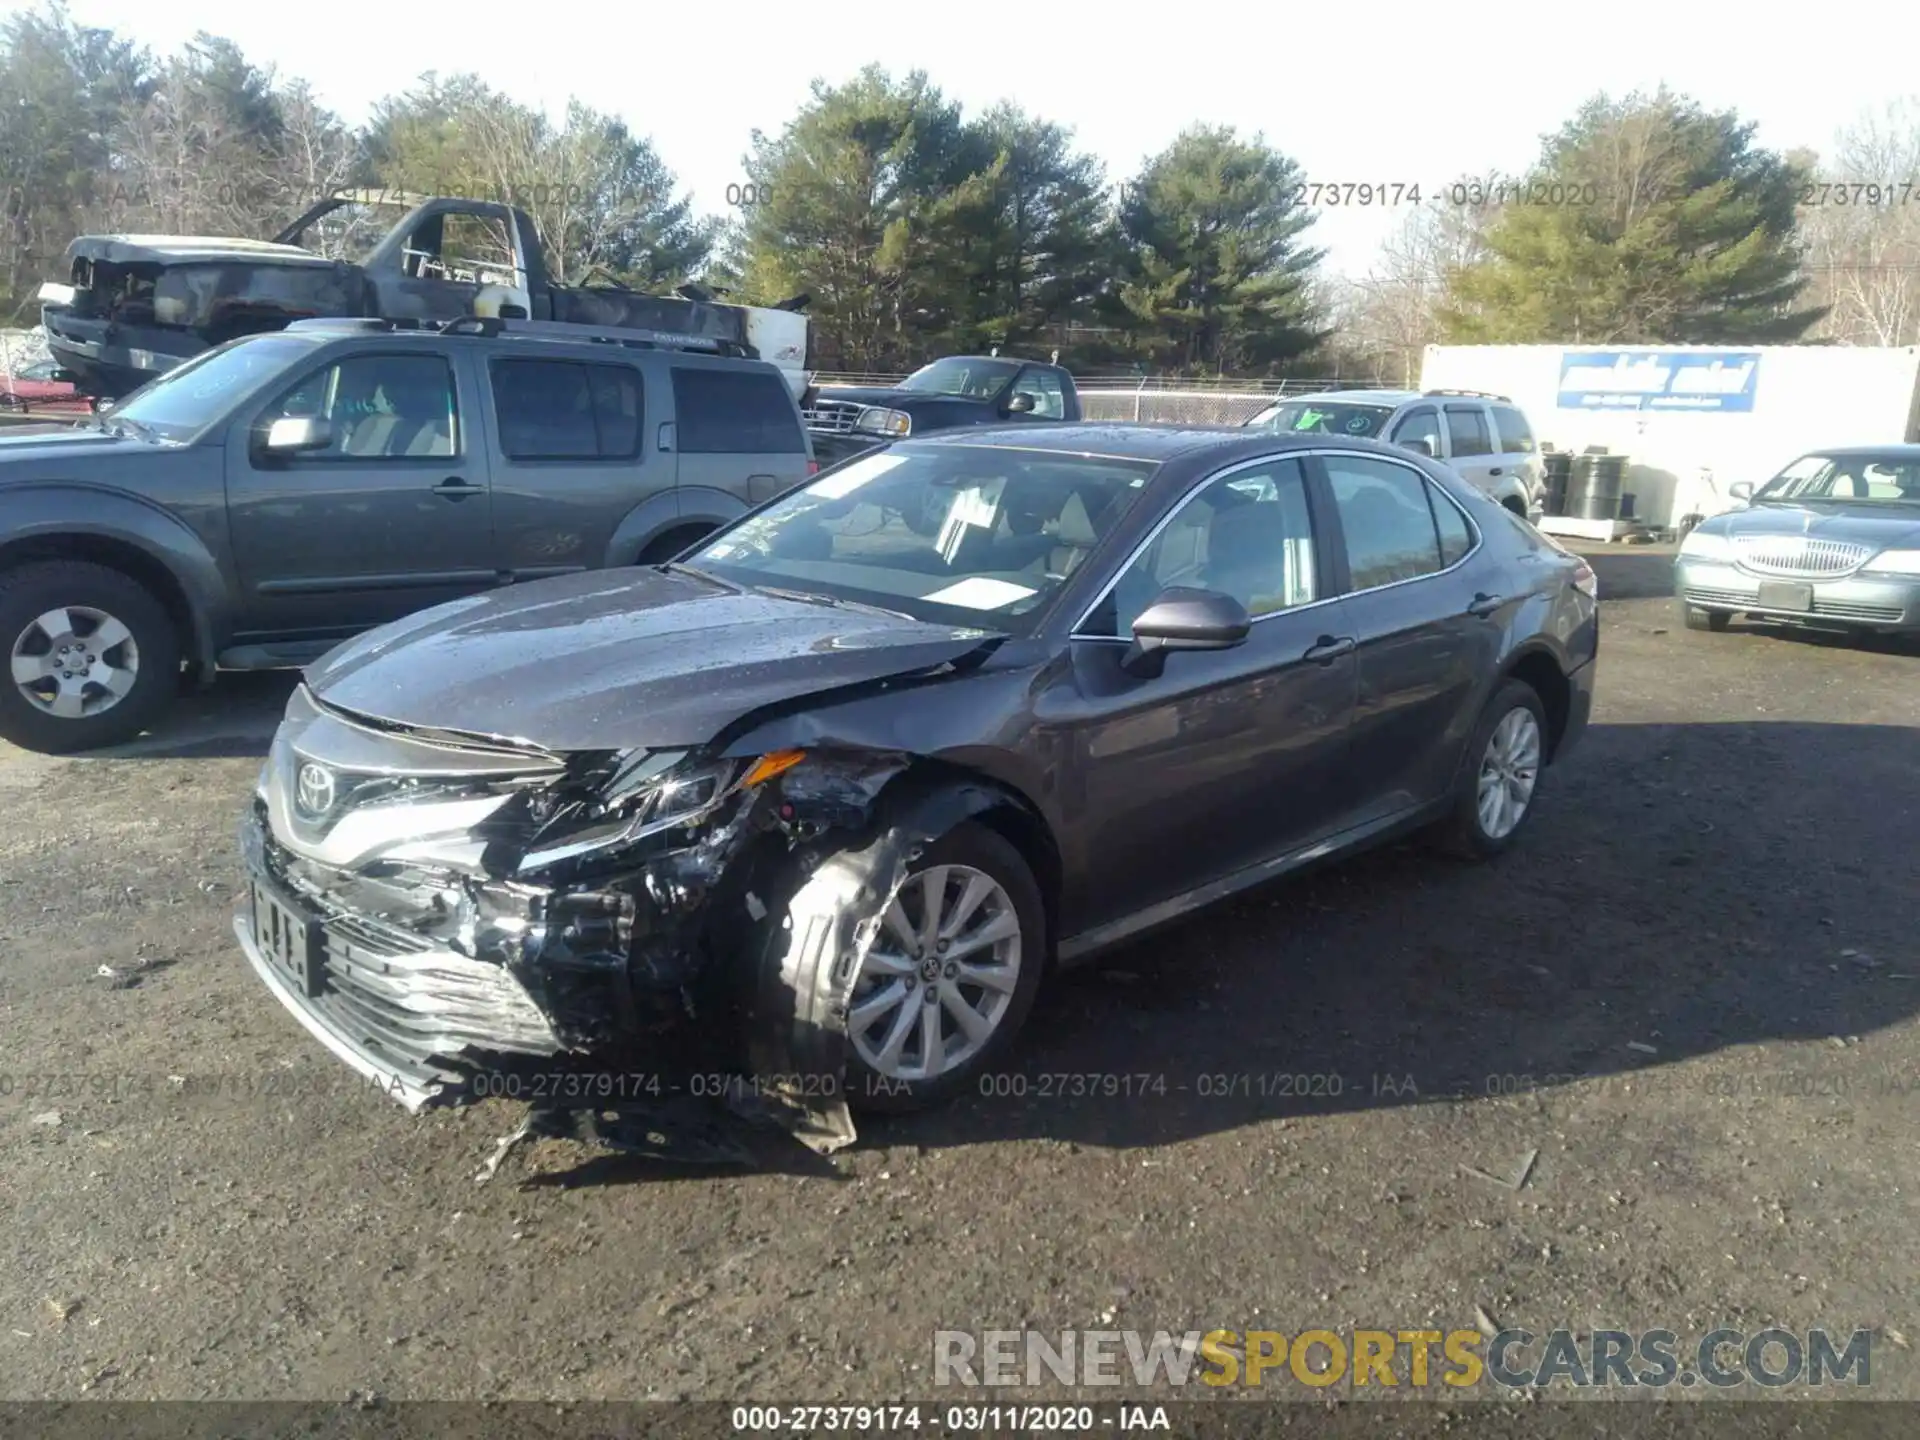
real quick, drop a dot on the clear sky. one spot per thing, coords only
(1387, 92)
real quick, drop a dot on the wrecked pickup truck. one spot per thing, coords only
(953, 392)
(134, 306)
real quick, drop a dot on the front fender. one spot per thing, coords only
(78, 509)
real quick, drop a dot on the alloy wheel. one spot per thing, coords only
(75, 661)
(940, 975)
(1508, 772)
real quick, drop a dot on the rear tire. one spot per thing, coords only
(1714, 620)
(124, 651)
(977, 851)
(1502, 768)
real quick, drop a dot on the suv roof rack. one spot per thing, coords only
(1475, 394)
(488, 327)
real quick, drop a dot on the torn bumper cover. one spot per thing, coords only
(442, 912)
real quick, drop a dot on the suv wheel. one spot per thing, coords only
(92, 656)
(951, 976)
(1500, 777)
(664, 548)
(1715, 620)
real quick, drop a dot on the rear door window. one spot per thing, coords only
(1467, 429)
(734, 412)
(566, 410)
(1516, 436)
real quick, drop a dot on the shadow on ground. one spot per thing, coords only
(1667, 896)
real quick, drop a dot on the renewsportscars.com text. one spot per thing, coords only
(1418, 1358)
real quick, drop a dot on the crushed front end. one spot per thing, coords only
(437, 907)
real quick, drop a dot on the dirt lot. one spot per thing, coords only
(1692, 992)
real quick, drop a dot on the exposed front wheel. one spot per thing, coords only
(1501, 774)
(950, 977)
(92, 657)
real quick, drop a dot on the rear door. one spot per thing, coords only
(737, 431)
(1516, 451)
(1470, 443)
(573, 457)
(394, 516)
(1413, 574)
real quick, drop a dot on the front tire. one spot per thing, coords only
(1501, 776)
(951, 977)
(93, 657)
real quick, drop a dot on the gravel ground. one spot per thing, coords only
(1692, 992)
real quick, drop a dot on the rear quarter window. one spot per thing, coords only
(566, 409)
(734, 412)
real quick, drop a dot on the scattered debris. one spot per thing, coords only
(62, 1310)
(1488, 1326)
(48, 1118)
(1519, 1178)
(1894, 1337)
(1641, 1047)
(132, 975)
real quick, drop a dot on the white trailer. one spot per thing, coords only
(1693, 419)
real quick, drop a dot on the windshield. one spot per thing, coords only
(185, 401)
(962, 375)
(955, 534)
(1322, 417)
(1886, 479)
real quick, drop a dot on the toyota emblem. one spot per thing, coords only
(313, 790)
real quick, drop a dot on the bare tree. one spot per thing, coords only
(1862, 228)
(1394, 310)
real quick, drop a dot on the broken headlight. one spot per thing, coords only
(650, 792)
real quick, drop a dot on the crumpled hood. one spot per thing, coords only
(1876, 525)
(619, 659)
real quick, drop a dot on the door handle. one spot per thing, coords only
(1329, 649)
(455, 487)
(1484, 605)
(1496, 470)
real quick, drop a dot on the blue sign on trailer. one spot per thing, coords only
(1720, 380)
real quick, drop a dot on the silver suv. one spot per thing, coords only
(1485, 438)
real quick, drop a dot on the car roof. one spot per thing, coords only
(1137, 440)
(1353, 397)
(1909, 453)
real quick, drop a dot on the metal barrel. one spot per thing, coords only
(1559, 468)
(1593, 488)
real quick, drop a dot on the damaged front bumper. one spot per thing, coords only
(438, 909)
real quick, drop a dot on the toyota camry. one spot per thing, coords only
(831, 795)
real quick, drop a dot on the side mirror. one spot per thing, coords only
(1021, 404)
(1184, 619)
(296, 435)
(1741, 490)
(1418, 447)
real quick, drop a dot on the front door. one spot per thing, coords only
(391, 518)
(1227, 757)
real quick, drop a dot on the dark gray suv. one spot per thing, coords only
(283, 492)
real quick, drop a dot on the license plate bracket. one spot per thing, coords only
(290, 940)
(1785, 595)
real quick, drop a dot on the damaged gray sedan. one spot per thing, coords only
(820, 804)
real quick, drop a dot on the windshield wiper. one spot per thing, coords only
(681, 569)
(811, 597)
(120, 425)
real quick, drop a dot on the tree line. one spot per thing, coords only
(918, 229)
